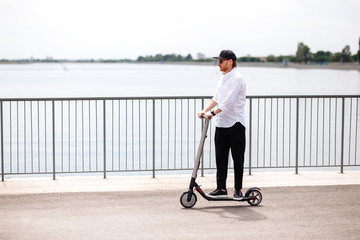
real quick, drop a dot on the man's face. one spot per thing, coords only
(225, 65)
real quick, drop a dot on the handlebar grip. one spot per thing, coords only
(203, 116)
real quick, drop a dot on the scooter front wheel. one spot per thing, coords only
(184, 199)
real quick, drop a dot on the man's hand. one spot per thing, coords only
(208, 116)
(200, 114)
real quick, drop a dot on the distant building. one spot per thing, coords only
(256, 59)
(200, 56)
(262, 59)
(285, 62)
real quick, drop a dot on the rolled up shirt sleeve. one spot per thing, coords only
(215, 98)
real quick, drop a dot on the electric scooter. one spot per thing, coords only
(188, 199)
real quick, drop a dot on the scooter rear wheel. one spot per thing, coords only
(184, 200)
(257, 197)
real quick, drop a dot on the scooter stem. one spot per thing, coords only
(200, 149)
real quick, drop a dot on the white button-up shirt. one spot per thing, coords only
(230, 97)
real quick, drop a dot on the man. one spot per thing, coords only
(229, 101)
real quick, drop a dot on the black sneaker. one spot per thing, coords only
(218, 193)
(237, 195)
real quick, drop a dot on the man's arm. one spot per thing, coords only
(210, 106)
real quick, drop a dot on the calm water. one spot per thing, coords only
(123, 80)
(79, 142)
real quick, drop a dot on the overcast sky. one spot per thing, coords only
(127, 29)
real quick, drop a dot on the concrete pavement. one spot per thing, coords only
(311, 212)
(321, 205)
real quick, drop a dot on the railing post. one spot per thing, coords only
(297, 137)
(202, 155)
(153, 154)
(104, 135)
(2, 141)
(250, 120)
(53, 137)
(342, 135)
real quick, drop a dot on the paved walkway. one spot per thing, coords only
(168, 182)
(310, 205)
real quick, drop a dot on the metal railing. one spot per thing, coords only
(86, 135)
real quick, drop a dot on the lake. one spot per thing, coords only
(127, 80)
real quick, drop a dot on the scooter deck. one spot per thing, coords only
(207, 197)
(227, 199)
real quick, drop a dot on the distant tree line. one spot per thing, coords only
(304, 55)
(165, 58)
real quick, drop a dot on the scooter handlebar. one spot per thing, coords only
(203, 116)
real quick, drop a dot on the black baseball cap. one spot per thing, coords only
(227, 54)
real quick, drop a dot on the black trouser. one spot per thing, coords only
(225, 139)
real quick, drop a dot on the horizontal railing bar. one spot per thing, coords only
(171, 97)
(103, 98)
(301, 96)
